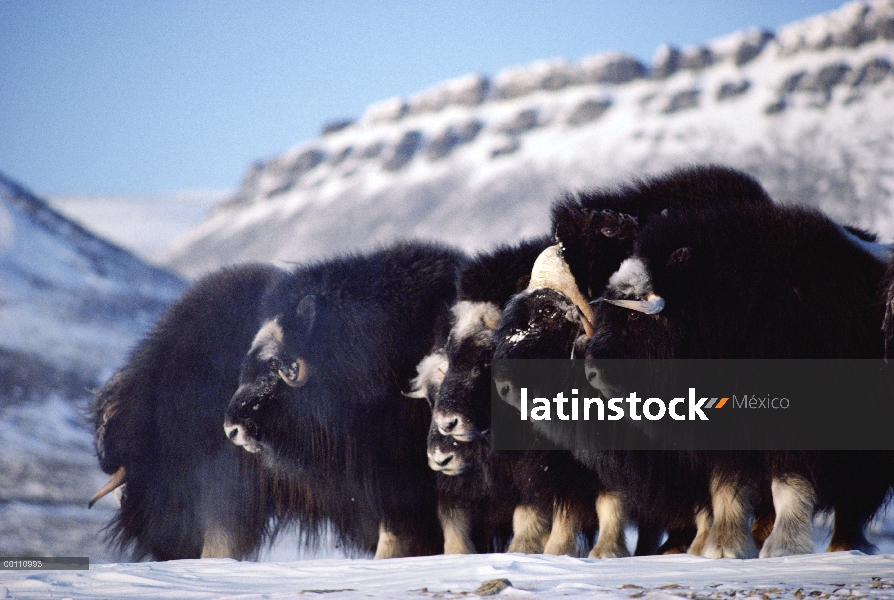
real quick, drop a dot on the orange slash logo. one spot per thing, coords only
(715, 404)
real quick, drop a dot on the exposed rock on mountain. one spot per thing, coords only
(476, 160)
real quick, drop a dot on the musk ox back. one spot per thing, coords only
(597, 228)
(320, 389)
(188, 492)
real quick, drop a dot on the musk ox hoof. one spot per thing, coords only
(614, 552)
(841, 545)
(526, 545)
(783, 544)
(563, 546)
(729, 546)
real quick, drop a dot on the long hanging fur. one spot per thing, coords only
(160, 417)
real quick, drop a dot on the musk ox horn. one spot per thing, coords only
(550, 270)
(114, 482)
(650, 306)
(295, 374)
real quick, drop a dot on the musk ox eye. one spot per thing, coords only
(632, 315)
(294, 374)
(274, 364)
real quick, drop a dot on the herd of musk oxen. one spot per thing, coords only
(353, 394)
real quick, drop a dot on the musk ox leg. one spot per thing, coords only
(648, 539)
(610, 510)
(563, 534)
(390, 545)
(457, 526)
(679, 539)
(730, 534)
(703, 520)
(793, 500)
(848, 535)
(217, 544)
(530, 529)
(764, 515)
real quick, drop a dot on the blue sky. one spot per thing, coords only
(137, 97)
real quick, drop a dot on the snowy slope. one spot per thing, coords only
(820, 576)
(141, 224)
(808, 110)
(71, 306)
(71, 299)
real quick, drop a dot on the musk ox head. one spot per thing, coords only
(630, 319)
(279, 366)
(461, 400)
(431, 372)
(546, 320)
(462, 405)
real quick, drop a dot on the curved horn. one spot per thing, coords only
(296, 373)
(652, 305)
(550, 270)
(114, 482)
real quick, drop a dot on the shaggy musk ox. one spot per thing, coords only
(596, 228)
(596, 231)
(545, 495)
(188, 492)
(760, 281)
(319, 391)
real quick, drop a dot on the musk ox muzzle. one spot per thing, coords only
(444, 454)
(455, 425)
(240, 426)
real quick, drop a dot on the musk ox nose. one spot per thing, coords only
(439, 460)
(238, 434)
(234, 432)
(452, 424)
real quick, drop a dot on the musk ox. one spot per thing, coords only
(319, 391)
(596, 231)
(759, 281)
(547, 496)
(187, 491)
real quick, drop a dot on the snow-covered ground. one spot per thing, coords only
(817, 576)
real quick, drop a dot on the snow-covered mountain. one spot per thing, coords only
(142, 224)
(808, 109)
(70, 300)
(71, 306)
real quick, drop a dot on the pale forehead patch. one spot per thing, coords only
(431, 371)
(472, 317)
(631, 279)
(268, 341)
